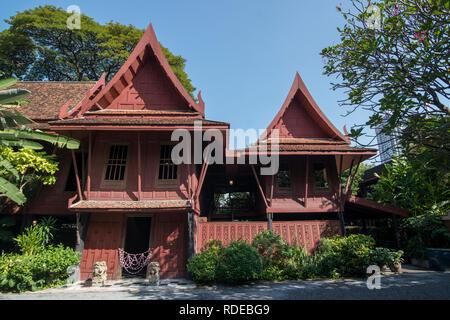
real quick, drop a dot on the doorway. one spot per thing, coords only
(137, 240)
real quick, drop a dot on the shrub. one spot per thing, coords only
(424, 231)
(346, 256)
(37, 271)
(281, 261)
(36, 237)
(241, 263)
(203, 266)
(385, 257)
(380, 256)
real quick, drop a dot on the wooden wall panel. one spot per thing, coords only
(102, 241)
(305, 233)
(169, 243)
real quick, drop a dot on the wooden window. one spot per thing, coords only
(116, 163)
(284, 176)
(320, 177)
(167, 170)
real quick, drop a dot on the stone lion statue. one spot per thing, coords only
(100, 274)
(153, 271)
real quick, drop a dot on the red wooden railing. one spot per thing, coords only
(305, 233)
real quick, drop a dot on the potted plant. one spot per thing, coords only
(395, 261)
(381, 257)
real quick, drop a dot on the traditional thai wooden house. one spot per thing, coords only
(127, 193)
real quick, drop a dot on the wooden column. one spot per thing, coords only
(348, 178)
(83, 169)
(349, 193)
(89, 167)
(341, 219)
(139, 167)
(339, 192)
(269, 221)
(82, 225)
(191, 234)
(77, 177)
(271, 190)
(306, 181)
(259, 185)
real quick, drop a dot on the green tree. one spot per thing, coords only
(20, 165)
(415, 184)
(357, 179)
(393, 60)
(39, 46)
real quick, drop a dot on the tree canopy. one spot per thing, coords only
(393, 60)
(39, 46)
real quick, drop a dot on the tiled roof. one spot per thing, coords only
(47, 98)
(312, 147)
(135, 122)
(303, 141)
(144, 204)
(110, 112)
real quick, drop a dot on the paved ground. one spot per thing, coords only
(411, 284)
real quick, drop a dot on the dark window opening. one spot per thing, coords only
(167, 169)
(284, 177)
(71, 183)
(226, 203)
(116, 164)
(320, 176)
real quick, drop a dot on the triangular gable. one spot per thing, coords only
(146, 78)
(301, 117)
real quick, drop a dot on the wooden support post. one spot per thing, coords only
(306, 181)
(349, 192)
(269, 221)
(259, 185)
(202, 178)
(82, 225)
(339, 192)
(191, 234)
(271, 190)
(348, 178)
(77, 177)
(89, 166)
(139, 167)
(341, 219)
(83, 170)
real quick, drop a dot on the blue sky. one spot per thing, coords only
(243, 55)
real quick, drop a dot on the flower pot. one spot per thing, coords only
(396, 267)
(439, 258)
(382, 268)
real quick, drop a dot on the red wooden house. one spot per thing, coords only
(127, 193)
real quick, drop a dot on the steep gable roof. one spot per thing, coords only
(301, 117)
(147, 51)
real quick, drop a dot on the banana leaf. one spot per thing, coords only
(5, 83)
(22, 143)
(6, 165)
(11, 191)
(60, 141)
(13, 95)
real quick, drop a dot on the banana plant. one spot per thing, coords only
(14, 133)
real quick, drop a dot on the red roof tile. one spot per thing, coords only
(47, 98)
